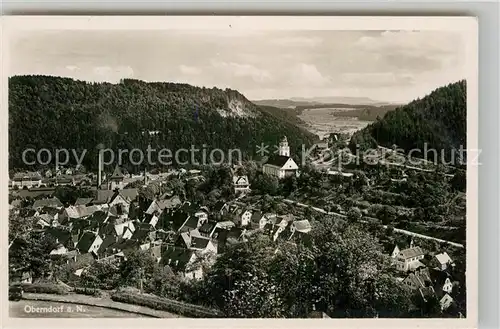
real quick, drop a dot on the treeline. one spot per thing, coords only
(435, 122)
(53, 112)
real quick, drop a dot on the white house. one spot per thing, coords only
(241, 184)
(281, 165)
(445, 302)
(242, 217)
(89, 242)
(28, 180)
(442, 261)
(395, 252)
(409, 259)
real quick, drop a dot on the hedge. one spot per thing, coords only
(45, 288)
(164, 304)
(88, 291)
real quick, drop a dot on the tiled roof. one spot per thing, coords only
(52, 202)
(302, 225)
(86, 241)
(443, 258)
(169, 203)
(83, 201)
(105, 196)
(30, 175)
(117, 173)
(190, 224)
(207, 228)
(277, 160)
(256, 216)
(177, 258)
(199, 242)
(411, 252)
(240, 180)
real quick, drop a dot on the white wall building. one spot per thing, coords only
(281, 165)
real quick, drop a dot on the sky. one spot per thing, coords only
(388, 66)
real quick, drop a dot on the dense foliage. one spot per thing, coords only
(124, 115)
(437, 121)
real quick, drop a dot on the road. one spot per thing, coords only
(417, 235)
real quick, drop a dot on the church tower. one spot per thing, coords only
(284, 149)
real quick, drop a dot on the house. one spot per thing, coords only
(241, 184)
(81, 262)
(26, 277)
(152, 220)
(44, 220)
(242, 217)
(281, 165)
(202, 244)
(119, 229)
(418, 279)
(61, 235)
(83, 201)
(170, 203)
(409, 259)
(395, 252)
(116, 179)
(301, 226)
(191, 223)
(51, 203)
(182, 261)
(441, 261)
(106, 196)
(155, 251)
(90, 242)
(60, 249)
(226, 237)
(321, 146)
(27, 180)
(445, 302)
(442, 281)
(202, 216)
(225, 225)
(143, 235)
(258, 220)
(208, 229)
(221, 208)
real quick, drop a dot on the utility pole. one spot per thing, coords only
(140, 280)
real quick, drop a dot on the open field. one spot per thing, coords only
(323, 121)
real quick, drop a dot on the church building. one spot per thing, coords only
(281, 165)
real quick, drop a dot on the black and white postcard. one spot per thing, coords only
(236, 168)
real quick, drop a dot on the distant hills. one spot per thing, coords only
(439, 120)
(55, 112)
(363, 108)
(305, 102)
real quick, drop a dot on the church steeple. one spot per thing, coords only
(284, 149)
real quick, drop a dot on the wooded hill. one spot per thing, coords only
(54, 112)
(439, 119)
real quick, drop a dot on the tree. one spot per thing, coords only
(139, 266)
(354, 214)
(238, 282)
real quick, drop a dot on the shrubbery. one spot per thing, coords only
(45, 288)
(163, 304)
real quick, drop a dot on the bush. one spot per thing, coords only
(164, 304)
(88, 291)
(45, 288)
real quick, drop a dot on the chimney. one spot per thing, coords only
(99, 172)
